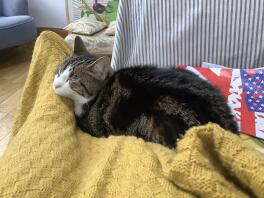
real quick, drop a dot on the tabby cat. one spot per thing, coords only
(158, 105)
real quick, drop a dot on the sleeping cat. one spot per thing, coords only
(158, 105)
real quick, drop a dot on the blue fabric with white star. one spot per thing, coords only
(253, 86)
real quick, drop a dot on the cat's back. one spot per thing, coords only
(154, 77)
(147, 93)
(153, 72)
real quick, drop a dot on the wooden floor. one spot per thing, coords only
(14, 65)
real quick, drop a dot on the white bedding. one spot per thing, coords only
(165, 33)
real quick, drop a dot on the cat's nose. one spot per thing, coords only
(56, 86)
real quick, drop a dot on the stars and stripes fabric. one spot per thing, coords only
(253, 82)
(244, 90)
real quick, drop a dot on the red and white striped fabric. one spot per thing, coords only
(244, 90)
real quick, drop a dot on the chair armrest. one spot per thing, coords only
(15, 7)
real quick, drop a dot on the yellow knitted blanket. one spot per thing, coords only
(48, 156)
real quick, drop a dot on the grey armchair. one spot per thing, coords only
(16, 27)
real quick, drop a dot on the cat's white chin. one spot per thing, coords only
(78, 109)
(79, 101)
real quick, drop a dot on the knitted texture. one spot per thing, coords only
(48, 156)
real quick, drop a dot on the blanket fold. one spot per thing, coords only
(48, 156)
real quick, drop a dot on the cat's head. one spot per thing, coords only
(82, 75)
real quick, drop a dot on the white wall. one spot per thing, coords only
(48, 13)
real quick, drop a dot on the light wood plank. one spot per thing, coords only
(14, 65)
(11, 103)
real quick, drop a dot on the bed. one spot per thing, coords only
(48, 156)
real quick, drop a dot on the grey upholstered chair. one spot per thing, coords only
(16, 27)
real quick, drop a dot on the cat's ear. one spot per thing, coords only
(79, 46)
(101, 68)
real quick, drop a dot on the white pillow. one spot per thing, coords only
(98, 44)
(86, 26)
(111, 29)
